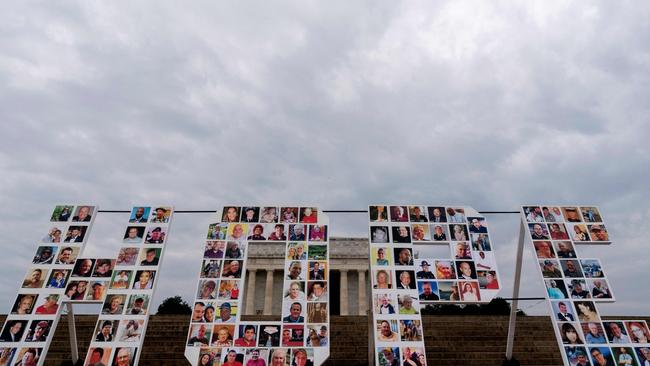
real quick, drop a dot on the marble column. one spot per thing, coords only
(268, 293)
(250, 291)
(344, 292)
(362, 292)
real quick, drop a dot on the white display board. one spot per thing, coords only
(217, 334)
(576, 284)
(424, 255)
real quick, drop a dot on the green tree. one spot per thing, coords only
(174, 305)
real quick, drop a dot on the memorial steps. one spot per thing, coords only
(451, 340)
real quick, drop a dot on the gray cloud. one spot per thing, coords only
(490, 105)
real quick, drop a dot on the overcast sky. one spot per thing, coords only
(338, 104)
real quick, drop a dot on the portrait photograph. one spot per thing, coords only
(410, 330)
(75, 234)
(586, 311)
(217, 231)
(230, 214)
(317, 335)
(386, 330)
(35, 278)
(439, 232)
(317, 291)
(539, 231)
(484, 260)
(139, 214)
(258, 232)
(382, 279)
(223, 335)
(579, 232)
(250, 214)
(318, 271)
(379, 234)
(571, 268)
(466, 270)
(456, 214)
(437, 214)
(420, 232)
(127, 256)
(533, 214)
(246, 335)
(410, 354)
(83, 267)
(232, 268)
(138, 304)
(45, 254)
(121, 279)
(302, 356)
(114, 304)
(448, 291)
(294, 291)
(252, 355)
(19, 354)
(269, 335)
(298, 232)
(552, 214)
(571, 333)
(399, 214)
(106, 330)
(144, 280)
(309, 215)
(403, 256)
(594, 332)
(289, 215)
(199, 335)
(317, 232)
(598, 232)
(317, 252)
(13, 330)
(384, 303)
(235, 250)
(481, 242)
(477, 225)
(601, 356)
(317, 312)
(445, 270)
(388, 356)
(98, 356)
(564, 249)
(293, 335)
(428, 291)
(150, 256)
(638, 331)
(279, 357)
(563, 311)
(401, 234)
(469, 291)
(643, 354)
(555, 289)
(558, 231)
(544, 249)
(407, 304)
(83, 214)
(296, 251)
(624, 356)
(38, 330)
(461, 250)
(458, 232)
(487, 280)
(276, 232)
(76, 290)
(211, 268)
(571, 214)
(228, 290)
(269, 215)
(592, 268)
(591, 214)
(214, 249)
(381, 256)
(616, 332)
(418, 214)
(226, 312)
(232, 356)
(55, 234)
(103, 267)
(156, 235)
(378, 214)
(62, 213)
(405, 279)
(97, 290)
(295, 270)
(134, 234)
(125, 356)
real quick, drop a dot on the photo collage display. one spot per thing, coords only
(424, 255)
(217, 335)
(128, 283)
(574, 285)
(34, 314)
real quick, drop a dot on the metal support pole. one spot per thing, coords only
(72, 331)
(515, 292)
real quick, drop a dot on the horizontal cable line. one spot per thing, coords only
(325, 211)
